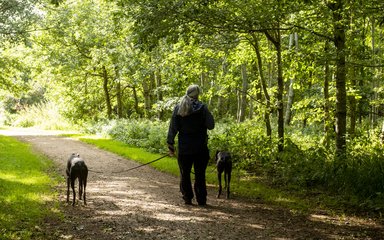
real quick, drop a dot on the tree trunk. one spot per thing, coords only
(147, 96)
(238, 96)
(341, 94)
(152, 85)
(118, 94)
(374, 110)
(263, 87)
(119, 99)
(159, 92)
(280, 87)
(327, 118)
(293, 38)
(202, 80)
(136, 99)
(288, 111)
(106, 92)
(352, 105)
(221, 100)
(243, 94)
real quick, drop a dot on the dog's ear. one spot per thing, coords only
(217, 152)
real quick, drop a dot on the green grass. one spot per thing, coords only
(26, 193)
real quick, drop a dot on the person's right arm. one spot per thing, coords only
(172, 132)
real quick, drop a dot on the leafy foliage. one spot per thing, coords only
(43, 115)
(145, 134)
(16, 18)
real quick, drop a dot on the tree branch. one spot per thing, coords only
(313, 32)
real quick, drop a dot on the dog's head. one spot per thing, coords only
(73, 156)
(222, 156)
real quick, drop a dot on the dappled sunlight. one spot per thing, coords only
(27, 180)
(177, 217)
(339, 220)
(284, 199)
(256, 226)
(9, 177)
(147, 229)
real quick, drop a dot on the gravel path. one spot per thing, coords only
(146, 204)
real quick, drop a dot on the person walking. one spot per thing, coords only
(190, 120)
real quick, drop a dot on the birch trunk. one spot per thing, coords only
(159, 92)
(243, 94)
(106, 92)
(293, 38)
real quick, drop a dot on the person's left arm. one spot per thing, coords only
(209, 121)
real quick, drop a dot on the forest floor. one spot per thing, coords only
(146, 204)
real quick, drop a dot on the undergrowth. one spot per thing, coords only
(44, 115)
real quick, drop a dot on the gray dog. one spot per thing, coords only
(76, 168)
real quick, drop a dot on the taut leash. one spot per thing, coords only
(142, 165)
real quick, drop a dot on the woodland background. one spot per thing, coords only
(296, 87)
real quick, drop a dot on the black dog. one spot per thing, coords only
(76, 168)
(224, 164)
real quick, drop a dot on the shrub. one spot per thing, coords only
(42, 115)
(247, 143)
(147, 134)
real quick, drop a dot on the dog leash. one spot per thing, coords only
(142, 165)
(90, 170)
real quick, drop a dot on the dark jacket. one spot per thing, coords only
(192, 129)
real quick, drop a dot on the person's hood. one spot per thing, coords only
(196, 105)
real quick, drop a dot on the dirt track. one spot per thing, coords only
(146, 204)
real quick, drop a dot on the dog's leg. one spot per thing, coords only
(228, 183)
(219, 179)
(68, 189)
(73, 190)
(85, 185)
(80, 188)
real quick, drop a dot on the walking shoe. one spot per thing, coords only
(187, 201)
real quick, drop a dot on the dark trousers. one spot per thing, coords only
(199, 162)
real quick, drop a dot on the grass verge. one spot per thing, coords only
(26, 190)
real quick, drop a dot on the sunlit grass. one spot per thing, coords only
(25, 187)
